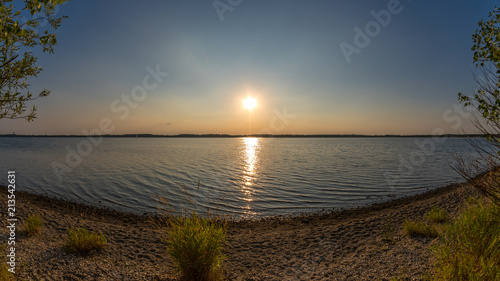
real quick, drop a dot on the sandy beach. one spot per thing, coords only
(365, 243)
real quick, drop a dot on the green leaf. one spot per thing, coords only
(17, 67)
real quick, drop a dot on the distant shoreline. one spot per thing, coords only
(253, 135)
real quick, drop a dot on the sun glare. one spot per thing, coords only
(250, 103)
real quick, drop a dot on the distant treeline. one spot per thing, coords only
(254, 135)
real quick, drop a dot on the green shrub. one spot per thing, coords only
(474, 201)
(33, 225)
(420, 229)
(81, 241)
(437, 215)
(471, 246)
(195, 244)
(5, 274)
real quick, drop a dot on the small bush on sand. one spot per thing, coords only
(470, 249)
(195, 244)
(33, 225)
(5, 275)
(420, 229)
(81, 241)
(437, 215)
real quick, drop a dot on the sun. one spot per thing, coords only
(250, 103)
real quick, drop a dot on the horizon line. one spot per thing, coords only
(245, 135)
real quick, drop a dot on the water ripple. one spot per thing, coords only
(255, 177)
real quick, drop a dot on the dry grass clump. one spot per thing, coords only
(437, 215)
(420, 229)
(470, 248)
(33, 225)
(81, 241)
(194, 242)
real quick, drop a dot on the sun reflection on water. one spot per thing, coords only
(251, 147)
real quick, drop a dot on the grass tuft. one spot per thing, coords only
(471, 246)
(5, 274)
(420, 229)
(195, 244)
(33, 225)
(81, 241)
(437, 215)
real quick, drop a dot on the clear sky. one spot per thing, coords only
(335, 67)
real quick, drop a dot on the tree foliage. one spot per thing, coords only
(24, 27)
(486, 99)
(486, 104)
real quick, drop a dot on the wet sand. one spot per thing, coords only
(365, 243)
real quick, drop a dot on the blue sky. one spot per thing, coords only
(284, 53)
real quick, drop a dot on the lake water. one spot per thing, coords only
(255, 177)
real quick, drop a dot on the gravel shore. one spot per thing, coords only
(365, 243)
